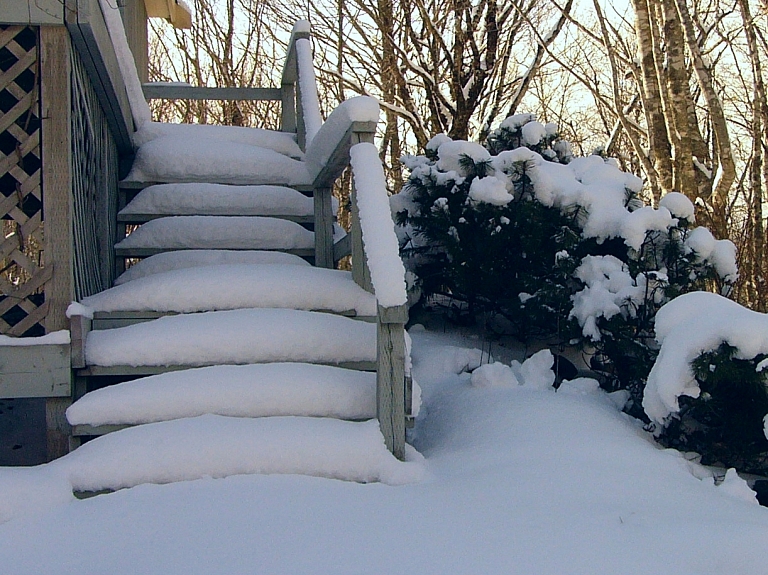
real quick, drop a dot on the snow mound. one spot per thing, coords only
(168, 261)
(26, 491)
(688, 326)
(494, 375)
(234, 286)
(219, 232)
(220, 200)
(216, 446)
(736, 487)
(235, 336)
(190, 159)
(280, 142)
(261, 390)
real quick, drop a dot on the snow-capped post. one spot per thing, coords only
(379, 252)
(300, 104)
(288, 86)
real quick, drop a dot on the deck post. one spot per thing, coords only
(390, 377)
(57, 201)
(324, 217)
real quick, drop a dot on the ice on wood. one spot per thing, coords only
(233, 286)
(236, 336)
(199, 258)
(219, 232)
(261, 390)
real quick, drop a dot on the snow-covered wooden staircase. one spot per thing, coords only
(231, 353)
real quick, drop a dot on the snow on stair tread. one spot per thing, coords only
(219, 199)
(281, 142)
(219, 232)
(217, 446)
(168, 261)
(259, 390)
(183, 159)
(236, 286)
(235, 337)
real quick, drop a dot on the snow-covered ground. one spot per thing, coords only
(519, 480)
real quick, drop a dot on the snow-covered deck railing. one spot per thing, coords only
(301, 107)
(346, 138)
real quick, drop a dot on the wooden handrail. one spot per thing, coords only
(175, 91)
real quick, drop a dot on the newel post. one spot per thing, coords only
(390, 376)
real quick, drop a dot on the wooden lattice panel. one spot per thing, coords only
(23, 274)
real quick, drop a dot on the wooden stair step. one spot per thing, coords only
(180, 259)
(218, 446)
(232, 337)
(237, 286)
(259, 390)
(216, 232)
(217, 199)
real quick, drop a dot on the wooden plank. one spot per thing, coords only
(390, 386)
(57, 172)
(144, 218)
(342, 248)
(160, 91)
(35, 371)
(288, 108)
(396, 314)
(79, 328)
(135, 22)
(147, 252)
(360, 271)
(357, 133)
(141, 370)
(85, 430)
(90, 38)
(24, 12)
(324, 218)
(57, 426)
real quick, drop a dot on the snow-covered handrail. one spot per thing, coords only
(300, 103)
(346, 139)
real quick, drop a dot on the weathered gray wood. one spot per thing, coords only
(147, 252)
(55, 70)
(83, 430)
(79, 326)
(135, 22)
(31, 12)
(390, 386)
(90, 38)
(35, 371)
(288, 108)
(342, 248)
(324, 218)
(57, 426)
(290, 71)
(158, 91)
(141, 370)
(144, 218)
(360, 271)
(397, 314)
(57, 172)
(357, 133)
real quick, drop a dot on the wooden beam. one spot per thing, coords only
(160, 91)
(390, 386)
(31, 12)
(90, 37)
(35, 371)
(135, 23)
(324, 218)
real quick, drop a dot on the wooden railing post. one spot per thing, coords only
(390, 377)
(323, 228)
(292, 113)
